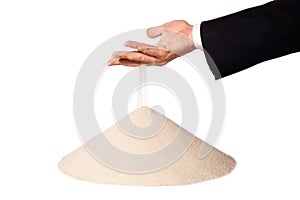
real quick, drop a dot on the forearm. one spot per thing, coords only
(241, 40)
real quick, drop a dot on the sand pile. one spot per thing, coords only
(187, 168)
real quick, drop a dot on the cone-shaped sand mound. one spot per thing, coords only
(187, 168)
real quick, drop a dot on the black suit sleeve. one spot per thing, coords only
(241, 40)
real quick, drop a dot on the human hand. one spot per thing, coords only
(176, 40)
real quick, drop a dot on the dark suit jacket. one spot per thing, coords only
(241, 40)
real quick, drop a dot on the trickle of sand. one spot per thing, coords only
(142, 90)
(137, 120)
(186, 169)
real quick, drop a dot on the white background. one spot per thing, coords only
(42, 47)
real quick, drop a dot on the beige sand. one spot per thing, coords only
(187, 169)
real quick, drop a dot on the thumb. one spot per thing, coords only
(154, 32)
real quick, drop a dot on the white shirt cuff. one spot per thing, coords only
(197, 37)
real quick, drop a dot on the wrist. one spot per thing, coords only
(196, 36)
(190, 32)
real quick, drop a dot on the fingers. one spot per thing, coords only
(113, 61)
(158, 30)
(132, 58)
(124, 62)
(154, 51)
(128, 63)
(114, 58)
(117, 54)
(138, 57)
(136, 45)
(154, 32)
(126, 57)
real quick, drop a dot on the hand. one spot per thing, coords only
(176, 40)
